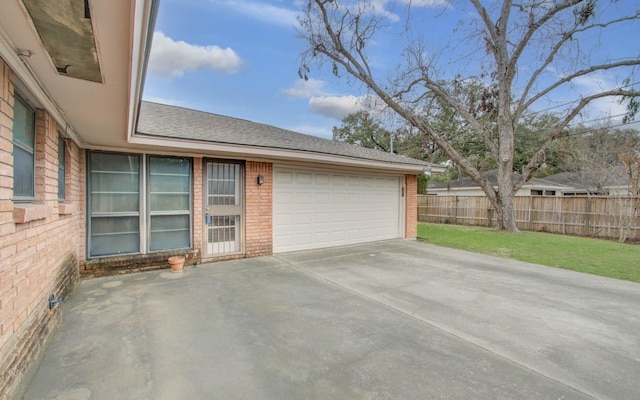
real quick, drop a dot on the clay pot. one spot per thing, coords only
(176, 263)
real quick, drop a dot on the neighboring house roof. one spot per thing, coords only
(492, 175)
(168, 121)
(591, 180)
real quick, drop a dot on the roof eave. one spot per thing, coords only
(143, 22)
(245, 151)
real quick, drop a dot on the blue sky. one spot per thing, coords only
(240, 58)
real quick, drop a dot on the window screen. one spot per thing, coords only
(24, 138)
(114, 207)
(169, 203)
(61, 160)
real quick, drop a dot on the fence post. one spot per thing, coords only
(489, 217)
(587, 217)
(455, 211)
(531, 213)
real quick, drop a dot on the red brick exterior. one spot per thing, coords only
(39, 246)
(258, 209)
(411, 207)
(43, 243)
(198, 201)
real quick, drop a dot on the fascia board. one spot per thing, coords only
(242, 151)
(142, 22)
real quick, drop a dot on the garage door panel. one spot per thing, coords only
(338, 198)
(303, 178)
(321, 209)
(338, 216)
(323, 179)
(282, 177)
(283, 197)
(322, 238)
(322, 218)
(304, 197)
(304, 218)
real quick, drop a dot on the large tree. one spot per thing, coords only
(363, 130)
(520, 55)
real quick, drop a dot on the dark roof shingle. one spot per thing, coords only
(492, 176)
(181, 123)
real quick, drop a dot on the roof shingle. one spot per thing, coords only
(181, 123)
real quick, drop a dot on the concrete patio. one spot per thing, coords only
(389, 320)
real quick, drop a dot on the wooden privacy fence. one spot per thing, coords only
(593, 216)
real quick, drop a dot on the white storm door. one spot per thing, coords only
(224, 206)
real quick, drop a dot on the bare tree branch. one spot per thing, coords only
(577, 74)
(341, 34)
(560, 131)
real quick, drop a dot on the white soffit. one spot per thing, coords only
(99, 113)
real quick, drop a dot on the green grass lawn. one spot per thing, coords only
(593, 256)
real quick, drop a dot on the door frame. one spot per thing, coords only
(241, 207)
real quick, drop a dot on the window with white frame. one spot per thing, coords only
(24, 139)
(61, 168)
(169, 203)
(114, 204)
(134, 212)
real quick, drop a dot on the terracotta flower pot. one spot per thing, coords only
(176, 263)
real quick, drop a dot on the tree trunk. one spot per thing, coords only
(505, 212)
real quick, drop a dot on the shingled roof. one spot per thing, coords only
(492, 176)
(181, 123)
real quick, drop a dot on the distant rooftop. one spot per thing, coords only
(182, 123)
(492, 175)
(591, 179)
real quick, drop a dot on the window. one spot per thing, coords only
(61, 161)
(169, 203)
(114, 204)
(134, 212)
(24, 138)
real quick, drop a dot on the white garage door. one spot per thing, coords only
(313, 210)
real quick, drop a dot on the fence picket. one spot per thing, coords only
(596, 216)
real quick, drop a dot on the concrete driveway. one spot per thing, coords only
(390, 320)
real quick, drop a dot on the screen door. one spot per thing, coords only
(223, 208)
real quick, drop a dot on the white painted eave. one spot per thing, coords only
(93, 114)
(218, 150)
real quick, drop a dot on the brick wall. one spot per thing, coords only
(39, 244)
(411, 207)
(198, 201)
(259, 209)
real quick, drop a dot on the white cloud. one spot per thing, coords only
(426, 3)
(304, 89)
(264, 12)
(379, 7)
(170, 59)
(596, 83)
(339, 107)
(335, 106)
